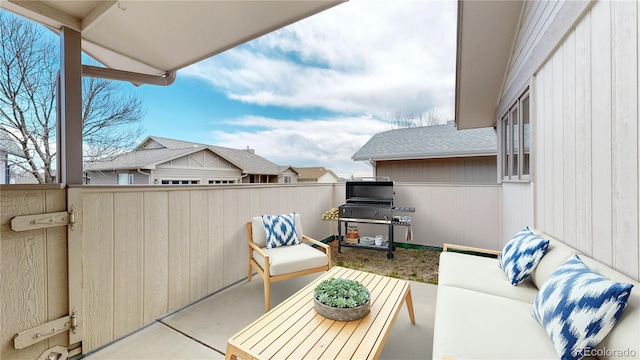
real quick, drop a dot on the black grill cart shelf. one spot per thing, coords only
(343, 223)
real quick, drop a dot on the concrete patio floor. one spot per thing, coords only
(201, 330)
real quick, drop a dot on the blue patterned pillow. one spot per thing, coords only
(520, 256)
(578, 307)
(280, 229)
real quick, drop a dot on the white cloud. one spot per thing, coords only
(302, 143)
(374, 57)
(367, 59)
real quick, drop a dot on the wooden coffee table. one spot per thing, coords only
(294, 330)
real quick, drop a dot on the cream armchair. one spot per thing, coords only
(284, 262)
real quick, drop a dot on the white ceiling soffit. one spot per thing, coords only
(154, 37)
(486, 30)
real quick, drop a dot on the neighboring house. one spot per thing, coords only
(165, 161)
(316, 175)
(569, 71)
(8, 147)
(437, 153)
(287, 174)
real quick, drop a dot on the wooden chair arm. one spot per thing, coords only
(446, 247)
(327, 248)
(259, 250)
(316, 242)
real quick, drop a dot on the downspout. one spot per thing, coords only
(372, 163)
(136, 78)
(144, 173)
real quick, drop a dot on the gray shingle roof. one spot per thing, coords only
(428, 142)
(155, 150)
(8, 144)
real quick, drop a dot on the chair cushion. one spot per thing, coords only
(292, 258)
(280, 230)
(520, 256)
(578, 307)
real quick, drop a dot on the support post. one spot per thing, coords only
(70, 120)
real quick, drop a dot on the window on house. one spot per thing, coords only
(515, 141)
(218, 182)
(180, 182)
(125, 179)
(287, 179)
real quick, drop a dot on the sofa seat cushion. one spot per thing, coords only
(476, 325)
(481, 274)
(292, 258)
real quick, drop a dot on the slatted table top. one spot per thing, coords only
(294, 330)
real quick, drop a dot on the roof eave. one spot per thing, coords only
(486, 30)
(471, 153)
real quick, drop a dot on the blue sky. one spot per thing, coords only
(313, 93)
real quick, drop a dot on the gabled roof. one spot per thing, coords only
(155, 150)
(428, 142)
(313, 173)
(8, 145)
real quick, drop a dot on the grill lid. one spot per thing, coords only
(369, 192)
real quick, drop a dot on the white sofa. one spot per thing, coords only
(480, 315)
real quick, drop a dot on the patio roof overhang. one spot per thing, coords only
(144, 41)
(158, 37)
(485, 36)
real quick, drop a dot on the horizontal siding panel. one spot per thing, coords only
(467, 170)
(168, 173)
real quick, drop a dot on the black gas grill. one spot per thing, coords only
(371, 202)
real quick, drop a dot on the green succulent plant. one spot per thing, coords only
(341, 293)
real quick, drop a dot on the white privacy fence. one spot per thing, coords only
(140, 252)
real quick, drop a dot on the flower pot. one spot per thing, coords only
(341, 314)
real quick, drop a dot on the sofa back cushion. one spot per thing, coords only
(622, 341)
(625, 335)
(579, 307)
(557, 253)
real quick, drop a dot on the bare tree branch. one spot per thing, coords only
(29, 66)
(401, 120)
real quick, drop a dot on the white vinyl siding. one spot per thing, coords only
(201, 174)
(586, 126)
(200, 159)
(102, 178)
(542, 25)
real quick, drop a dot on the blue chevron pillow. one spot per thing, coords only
(578, 307)
(280, 229)
(520, 256)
